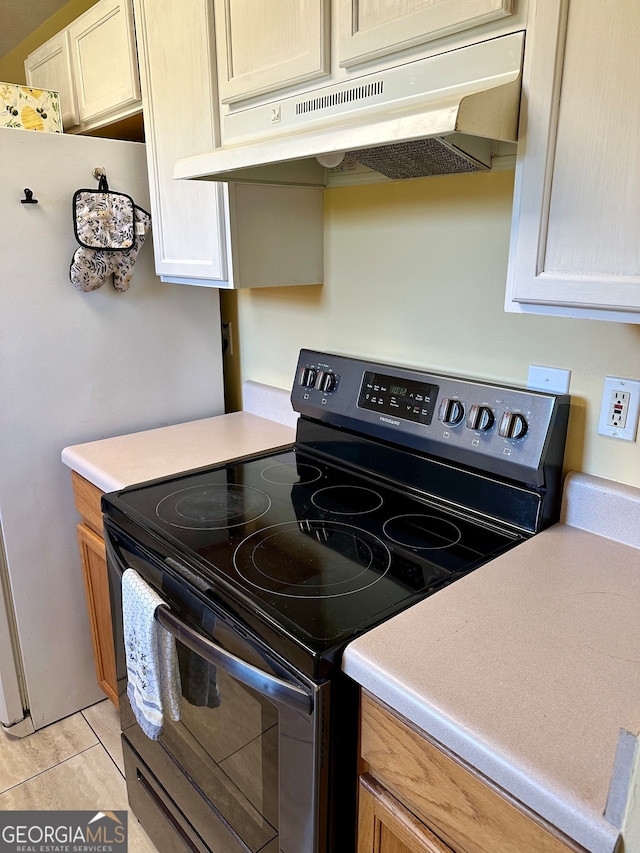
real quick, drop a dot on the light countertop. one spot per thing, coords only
(528, 668)
(113, 463)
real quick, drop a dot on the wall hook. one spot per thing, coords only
(100, 174)
(28, 197)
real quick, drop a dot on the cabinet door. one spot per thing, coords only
(461, 806)
(105, 68)
(385, 826)
(265, 46)
(49, 67)
(373, 28)
(575, 246)
(96, 585)
(175, 44)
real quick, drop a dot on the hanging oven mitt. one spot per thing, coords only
(110, 229)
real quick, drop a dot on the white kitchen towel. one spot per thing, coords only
(152, 663)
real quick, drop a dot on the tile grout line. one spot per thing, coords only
(115, 763)
(53, 766)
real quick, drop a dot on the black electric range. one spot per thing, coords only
(400, 483)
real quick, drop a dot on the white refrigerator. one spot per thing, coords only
(75, 367)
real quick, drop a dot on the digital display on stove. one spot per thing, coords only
(407, 400)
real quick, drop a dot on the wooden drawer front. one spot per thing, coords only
(87, 500)
(457, 804)
(385, 826)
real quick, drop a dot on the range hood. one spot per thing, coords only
(439, 115)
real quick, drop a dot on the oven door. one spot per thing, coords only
(242, 770)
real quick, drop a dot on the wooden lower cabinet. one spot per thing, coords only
(386, 826)
(416, 798)
(96, 582)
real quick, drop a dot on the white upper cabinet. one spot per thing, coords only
(93, 64)
(208, 233)
(373, 28)
(49, 67)
(105, 67)
(174, 49)
(575, 243)
(264, 46)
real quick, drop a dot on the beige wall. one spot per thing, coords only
(12, 64)
(415, 274)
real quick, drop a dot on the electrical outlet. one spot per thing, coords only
(620, 408)
(227, 338)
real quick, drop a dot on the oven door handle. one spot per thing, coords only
(298, 698)
(262, 682)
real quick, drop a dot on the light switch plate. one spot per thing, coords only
(553, 379)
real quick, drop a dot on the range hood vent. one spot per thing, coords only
(344, 96)
(420, 159)
(440, 115)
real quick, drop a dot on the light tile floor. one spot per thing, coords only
(75, 763)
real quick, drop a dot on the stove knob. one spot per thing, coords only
(480, 418)
(513, 425)
(326, 381)
(308, 376)
(451, 411)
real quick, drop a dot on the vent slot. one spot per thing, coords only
(346, 96)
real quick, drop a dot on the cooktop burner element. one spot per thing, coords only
(287, 475)
(213, 506)
(329, 559)
(422, 532)
(346, 500)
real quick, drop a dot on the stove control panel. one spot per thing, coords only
(500, 429)
(322, 380)
(404, 398)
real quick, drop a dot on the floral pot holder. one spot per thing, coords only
(103, 219)
(110, 229)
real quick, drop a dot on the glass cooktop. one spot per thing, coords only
(321, 552)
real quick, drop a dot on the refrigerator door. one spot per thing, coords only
(11, 710)
(77, 367)
(11, 701)
(14, 714)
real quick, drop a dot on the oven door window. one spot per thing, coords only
(227, 738)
